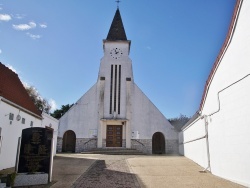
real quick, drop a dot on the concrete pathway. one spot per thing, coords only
(107, 171)
(174, 172)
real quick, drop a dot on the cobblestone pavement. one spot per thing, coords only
(108, 171)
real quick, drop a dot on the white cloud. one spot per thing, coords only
(53, 105)
(23, 27)
(148, 47)
(34, 36)
(43, 25)
(12, 68)
(5, 17)
(19, 16)
(0, 51)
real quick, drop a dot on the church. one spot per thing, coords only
(114, 113)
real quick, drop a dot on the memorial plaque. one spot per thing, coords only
(35, 150)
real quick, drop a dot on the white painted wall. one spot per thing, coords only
(228, 119)
(147, 119)
(11, 132)
(49, 121)
(82, 116)
(195, 146)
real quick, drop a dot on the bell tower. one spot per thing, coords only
(116, 69)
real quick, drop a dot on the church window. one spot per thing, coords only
(23, 120)
(111, 89)
(115, 89)
(119, 90)
(115, 95)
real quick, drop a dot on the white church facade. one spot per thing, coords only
(115, 113)
(217, 137)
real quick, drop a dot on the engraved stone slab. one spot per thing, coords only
(35, 150)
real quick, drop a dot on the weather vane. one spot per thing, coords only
(118, 1)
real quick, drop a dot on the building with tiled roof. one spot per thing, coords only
(17, 112)
(13, 91)
(217, 137)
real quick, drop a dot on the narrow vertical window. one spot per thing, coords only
(119, 91)
(115, 93)
(111, 89)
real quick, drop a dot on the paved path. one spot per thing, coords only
(119, 171)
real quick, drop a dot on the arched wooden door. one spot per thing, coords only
(69, 142)
(158, 143)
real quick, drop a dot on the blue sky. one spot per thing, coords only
(56, 46)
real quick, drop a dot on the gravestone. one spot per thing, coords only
(34, 161)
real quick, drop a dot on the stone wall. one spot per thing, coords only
(172, 147)
(103, 143)
(124, 143)
(59, 144)
(143, 145)
(82, 144)
(85, 144)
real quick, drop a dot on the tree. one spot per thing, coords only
(179, 122)
(41, 103)
(60, 112)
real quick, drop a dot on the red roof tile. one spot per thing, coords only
(12, 89)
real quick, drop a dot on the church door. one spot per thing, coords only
(114, 136)
(69, 142)
(158, 143)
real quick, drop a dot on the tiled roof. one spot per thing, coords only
(117, 31)
(12, 89)
(221, 53)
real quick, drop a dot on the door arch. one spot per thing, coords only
(69, 142)
(158, 143)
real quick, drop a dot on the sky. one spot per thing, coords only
(56, 46)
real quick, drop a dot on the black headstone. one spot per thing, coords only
(35, 150)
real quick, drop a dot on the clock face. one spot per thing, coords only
(116, 53)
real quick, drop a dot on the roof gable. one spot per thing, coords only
(12, 89)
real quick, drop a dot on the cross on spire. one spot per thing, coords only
(118, 1)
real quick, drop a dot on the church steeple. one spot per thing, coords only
(117, 31)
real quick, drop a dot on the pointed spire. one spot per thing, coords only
(117, 31)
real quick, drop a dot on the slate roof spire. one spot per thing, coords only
(117, 31)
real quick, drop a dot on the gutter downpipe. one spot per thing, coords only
(207, 143)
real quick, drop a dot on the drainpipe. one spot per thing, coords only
(218, 94)
(207, 143)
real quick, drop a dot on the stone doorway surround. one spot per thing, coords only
(103, 130)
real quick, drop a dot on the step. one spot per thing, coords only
(113, 151)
